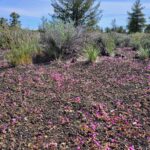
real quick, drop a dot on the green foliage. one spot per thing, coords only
(91, 53)
(141, 42)
(79, 11)
(121, 40)
(42, 26)
(107, 30)
(5, 38)
(55, 36)
(117, 29)
(14, 21)
(3, 23)
(136, 40)
(147, 29)
(114, 25)
(24, 45)
(108, 44)
(120, 29)
(143, 53)
(145, 41)
(136, 18)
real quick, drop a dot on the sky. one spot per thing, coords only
(31, 11)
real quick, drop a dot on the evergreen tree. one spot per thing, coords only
(136, 18)
(14, 21)
(120, 29)
(147, 29)
(114, 25)
(3, 22)
(43, 24)
(81, 12)
(107, 30)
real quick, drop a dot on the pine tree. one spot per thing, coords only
(114, 25)
(136, 18)
(147, 29)
(14, 21)
(81, 12)
(120, 29)
(43, 24)
(107, 30)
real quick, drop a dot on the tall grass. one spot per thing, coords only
(91, 53)
(23, 46)
(107, 43)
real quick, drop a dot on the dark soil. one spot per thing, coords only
(76, 106)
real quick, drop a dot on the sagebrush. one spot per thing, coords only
(55, 36)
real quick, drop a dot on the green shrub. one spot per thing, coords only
(121, 40)
(109, 44)
(143, 53)
(5, 38)
(91, 53)
(141, 42)
(106, 44)
(55, 36)
(23, 46)
(145, 41)
(136, 40)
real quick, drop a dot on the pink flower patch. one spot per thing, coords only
(64, 120)
(131, 148)
(76, 100)
(78, 148)
(59, 78)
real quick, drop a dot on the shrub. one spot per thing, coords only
(23, 46)
(143, 53)
(145, 41)
(5, 38)
(91, 53)
(136, 40)
(110, 46)
(55, 36)
(106, 44)
(121, 40)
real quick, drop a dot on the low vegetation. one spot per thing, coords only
(23, 45)
(56, 36)
(91, 52)
(109, 44)
(56, 39)
(143, 53)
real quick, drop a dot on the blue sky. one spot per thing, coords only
(31, 11)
